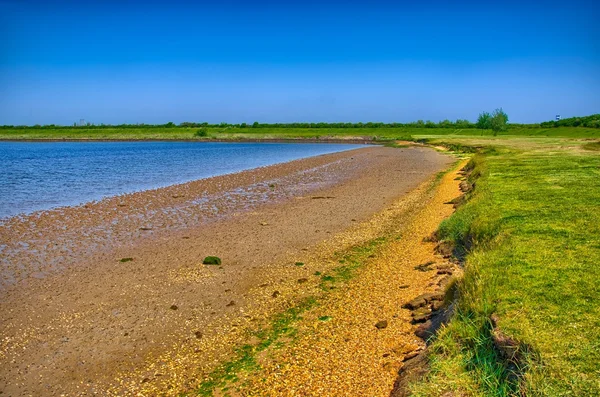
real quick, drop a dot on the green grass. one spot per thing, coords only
(229, 133)
(531, 235)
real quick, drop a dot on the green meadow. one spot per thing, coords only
(529, 236)
(234, 132)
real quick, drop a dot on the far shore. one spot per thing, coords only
(352, 140)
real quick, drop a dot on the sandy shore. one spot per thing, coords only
(75, 320)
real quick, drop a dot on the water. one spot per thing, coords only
(44, 175)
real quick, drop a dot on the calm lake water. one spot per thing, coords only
(43, 175)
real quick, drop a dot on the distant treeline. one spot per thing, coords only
(256, 124)
(592, 121)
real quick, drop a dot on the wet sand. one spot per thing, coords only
(75, 320)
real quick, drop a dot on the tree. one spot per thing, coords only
(483, 121)
(499, 121)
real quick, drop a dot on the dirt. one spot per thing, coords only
(78, 320)
(353, 354)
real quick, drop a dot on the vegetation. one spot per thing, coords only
(592, 121)
(530, 234)
(201, 133)
(212, 260)
(233, 134)
(497, 121)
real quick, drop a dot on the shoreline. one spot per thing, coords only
(99, 316)
(367, 140)
(167, 186)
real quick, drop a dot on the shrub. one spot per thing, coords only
(483, 121)
(499, 120)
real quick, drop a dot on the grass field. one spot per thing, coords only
(529, 236)
(228, 133)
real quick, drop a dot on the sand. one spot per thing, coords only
(76, 320)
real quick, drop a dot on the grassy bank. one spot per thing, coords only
(531, 235)
(229, 133)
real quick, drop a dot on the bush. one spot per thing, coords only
(202, 132)
(499, 121)
(483, 121)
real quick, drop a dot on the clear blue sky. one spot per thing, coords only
(279, 61)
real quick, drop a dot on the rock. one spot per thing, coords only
(421, 315)
(424, 267)
(302, 280)
(443, 283)
(445, 248)
(410, 355)
(445, 271)
(212, 260)
(433, 296)
(232, 303)
(145, 380)
(437, 305)
(174, 307)
(415, 303)
(123, 260)
(423, 331)
(420, 318)
(405, 349)
(276, 294)
(264, 224)
(412, 370)
(423, 300)
(505, 345)
(381, 324)
(198, 334)
(404, 286)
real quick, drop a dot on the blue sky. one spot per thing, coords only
(268, 61)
